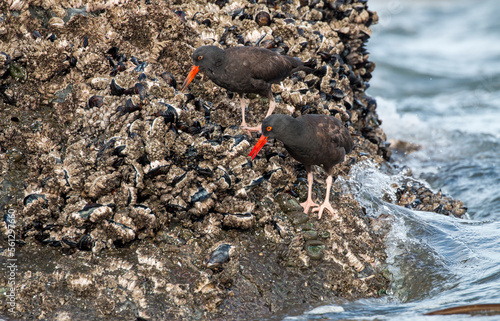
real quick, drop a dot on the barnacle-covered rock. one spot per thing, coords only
(34, 199)
(415, 195)
(94, 213)
(145, 195)
(241, 221)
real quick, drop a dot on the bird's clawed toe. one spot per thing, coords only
(307, 205)
(327, 206)
(250, 130)
(256, 129)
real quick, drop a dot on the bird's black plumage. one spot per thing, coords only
(312, 140)
(244, 70)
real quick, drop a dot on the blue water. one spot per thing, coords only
(437, 84)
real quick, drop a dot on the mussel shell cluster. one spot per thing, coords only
(415, 195)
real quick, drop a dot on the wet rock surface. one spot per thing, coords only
(133, 200)
(415, 195)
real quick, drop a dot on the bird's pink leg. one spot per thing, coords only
(243, 107)
(258, 128)
(272, 105)
(326, 204)
(243, 122)
(309, 202)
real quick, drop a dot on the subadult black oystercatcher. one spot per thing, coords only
(312, 140)
(244, 70)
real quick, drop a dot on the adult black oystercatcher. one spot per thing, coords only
(312, 140)
(244, 70)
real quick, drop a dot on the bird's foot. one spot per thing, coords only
(256, 129)
(249, 134)
(244, 127)
(250, 130)
(326, 205)
(307, 205)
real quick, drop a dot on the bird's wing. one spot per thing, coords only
(331, 132)
(264, 64)
(340, 135)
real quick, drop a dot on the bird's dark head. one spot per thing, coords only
(208, 56)
(275, 126)
(204, 58)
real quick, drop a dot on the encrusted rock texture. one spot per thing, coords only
(133, 200)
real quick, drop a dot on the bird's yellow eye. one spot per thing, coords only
(200, 57)
(269, 128)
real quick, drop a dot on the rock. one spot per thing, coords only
(129, 185)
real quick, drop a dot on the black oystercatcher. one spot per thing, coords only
(244, 70)
(312, 140)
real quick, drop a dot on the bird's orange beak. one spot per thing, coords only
(262, 141)
(190, 77)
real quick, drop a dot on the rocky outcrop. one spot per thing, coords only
(130, 199)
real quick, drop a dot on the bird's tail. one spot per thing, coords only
(308, 66)
(311, 64)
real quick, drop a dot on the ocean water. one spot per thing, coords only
(437, 84)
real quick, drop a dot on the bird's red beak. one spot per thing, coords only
(190, 77)
(262, 141)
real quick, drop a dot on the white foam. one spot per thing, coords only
(326, 309)
(392, 120)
